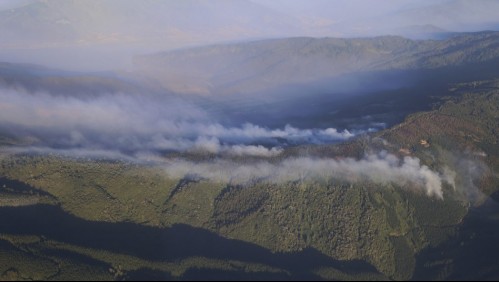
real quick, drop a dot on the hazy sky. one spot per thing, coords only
(9, 4)
(344, 10)
(101, 34)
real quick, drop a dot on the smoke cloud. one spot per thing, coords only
(130, 124)
(469, 173)
(141, 129)
(382, 168)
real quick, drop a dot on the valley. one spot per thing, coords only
(249, 140)
(391, 223)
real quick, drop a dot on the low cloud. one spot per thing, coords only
(251, 150)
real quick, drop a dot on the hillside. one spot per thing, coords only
(38, 79)
(270, 65)
(321, 229)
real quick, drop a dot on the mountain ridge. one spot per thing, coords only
(254, 66)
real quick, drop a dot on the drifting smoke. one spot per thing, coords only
(467, 170)
(132, 128)
(129, 123)
(380, 168)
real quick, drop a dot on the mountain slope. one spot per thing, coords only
(262, 65)
(385, 226)
(37, 79)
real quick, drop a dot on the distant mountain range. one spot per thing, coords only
(262, 65)
(173, 24)
(103, 35)
(276, 66)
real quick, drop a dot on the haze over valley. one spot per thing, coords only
(248, 139)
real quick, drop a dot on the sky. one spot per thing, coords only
(102, 34)
(344, 10)
(10, 4)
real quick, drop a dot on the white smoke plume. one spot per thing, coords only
(131, 123)
(380, 168)
(135, 128)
